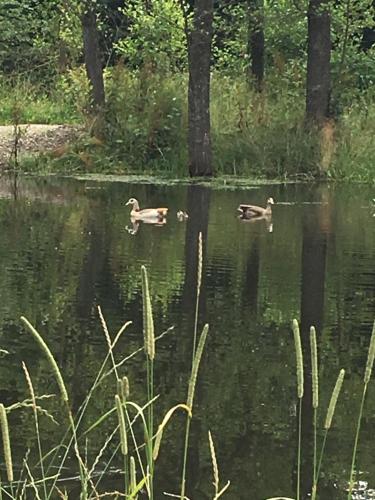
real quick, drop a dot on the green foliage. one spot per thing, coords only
(229, 48)
(35, 104)
(263, 134)
(29, 32)
(155, 35)
(355, 151)
(146, 119)
(143, 44)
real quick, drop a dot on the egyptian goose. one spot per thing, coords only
(146, 213)
(255, 211)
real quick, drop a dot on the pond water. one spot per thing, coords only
(68, 246)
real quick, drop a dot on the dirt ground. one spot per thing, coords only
(35, 139)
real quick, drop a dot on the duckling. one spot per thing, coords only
(248, 211)
(146, 213)
(182, 215)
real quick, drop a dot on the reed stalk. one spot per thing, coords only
(133, 477)
(81, 411)
(149, 346)
(366, 380)
(299, 371)
(65, 399)
(198, 291)
(193, 357)
(327, 425)
(190, 401)
(123, 438)
(36, 420)
(315, 391)
(215, 468)
(6, 443)
(50, 358)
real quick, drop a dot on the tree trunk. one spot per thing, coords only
(256, 43)
(318, 83)
(199, 39)
(316, 229)
(93, 62)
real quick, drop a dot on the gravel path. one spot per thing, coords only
(35, 138)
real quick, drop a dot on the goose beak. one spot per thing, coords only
(127, 203)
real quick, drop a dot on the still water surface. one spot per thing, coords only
(67, 246)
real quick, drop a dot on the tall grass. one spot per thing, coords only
(196, 358)
(36, 103)
(129, 420)
(132, 420)
(149, 346)
(327, 425)
(253, 135)
(300, 382)
(315, 391)
(317, 463)
(366, 380)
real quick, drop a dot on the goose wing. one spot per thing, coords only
(250, 209)
(153, 212)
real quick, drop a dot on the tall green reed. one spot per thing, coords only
(149, 346)
(215, 469)
(121, 405)
(300, 381)
(125, 425)
(36, 421)
(196, 357)
(366, 380)
(327, 425)
(65, 399)
(6, 443)
(315, 390)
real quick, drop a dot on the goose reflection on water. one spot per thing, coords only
(135, 224)
(266, 218)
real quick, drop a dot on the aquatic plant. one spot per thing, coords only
(315, 390)
(196, 358)
(327, 425)
(132, 421)
(299, 365)
(330, 410)
(366, 380)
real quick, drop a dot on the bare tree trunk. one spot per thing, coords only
(256, 43)
(199, 39)
(318, 85)
(93, 61)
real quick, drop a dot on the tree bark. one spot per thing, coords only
(199, 40)
(256, 43)
(318, 85)
(93, 61)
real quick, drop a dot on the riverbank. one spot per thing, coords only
(35, 139)
(257, 136)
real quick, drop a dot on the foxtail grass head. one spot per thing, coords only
(51, 359)
(299, 358)
(370, 357)
(122, 425)
(6, 442)
(314, 368)
(334, 398)
(195, 367)
(123, 388)
(200, 262)
(148, 321)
